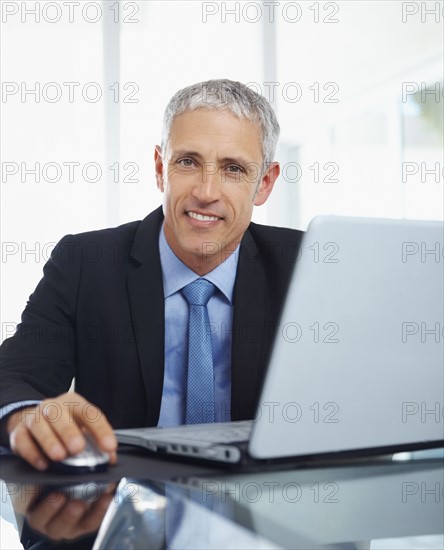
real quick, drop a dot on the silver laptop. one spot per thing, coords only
(358, 360)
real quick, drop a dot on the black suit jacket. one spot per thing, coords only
(98, 315)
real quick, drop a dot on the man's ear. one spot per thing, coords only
(158, 165)
(267, 182)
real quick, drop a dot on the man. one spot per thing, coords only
(111, 310)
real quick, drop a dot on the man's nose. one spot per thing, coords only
(207, 189)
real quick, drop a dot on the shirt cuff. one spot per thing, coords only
(12, 407)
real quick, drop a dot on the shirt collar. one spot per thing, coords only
(176, 274)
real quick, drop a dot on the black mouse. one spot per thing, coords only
(91, 459)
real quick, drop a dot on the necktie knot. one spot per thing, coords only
(199, 292)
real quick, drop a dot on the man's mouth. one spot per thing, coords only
(202, 217)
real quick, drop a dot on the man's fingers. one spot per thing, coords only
(70, 415)
(65, 524)
(113, 457)
(57, 517)
(93, 518)
(44, 435)
(70, 411)
(24, 445)
(55, 428)
(45, 511)
(102, 433)
(92, 419)
(58, 415)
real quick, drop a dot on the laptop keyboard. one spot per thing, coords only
(222, 432)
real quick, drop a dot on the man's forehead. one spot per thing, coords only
(204, 130)
(216, 118)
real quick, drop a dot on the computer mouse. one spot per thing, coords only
(91, 459)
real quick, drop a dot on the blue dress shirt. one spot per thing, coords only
(176, 275)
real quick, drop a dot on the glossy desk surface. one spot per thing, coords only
(377, 503)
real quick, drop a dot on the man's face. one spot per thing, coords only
(211, 179)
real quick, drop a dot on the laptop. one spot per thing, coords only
(357, 365)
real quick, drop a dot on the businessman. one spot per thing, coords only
(117, 311)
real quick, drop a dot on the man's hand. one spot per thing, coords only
(53, 430)
(59, 518)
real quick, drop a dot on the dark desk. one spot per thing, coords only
(147, 503)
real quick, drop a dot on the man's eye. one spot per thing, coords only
(186, 162)
(234, 169)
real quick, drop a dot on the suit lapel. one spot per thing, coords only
(145, 290)
(248, 331)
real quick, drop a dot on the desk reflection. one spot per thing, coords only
(348, 506)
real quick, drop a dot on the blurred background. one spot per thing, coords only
(357, 86)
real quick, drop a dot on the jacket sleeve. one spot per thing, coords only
(38, 361)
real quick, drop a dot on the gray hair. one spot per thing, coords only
(232, 96)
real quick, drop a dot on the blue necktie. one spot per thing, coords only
(200, 385)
